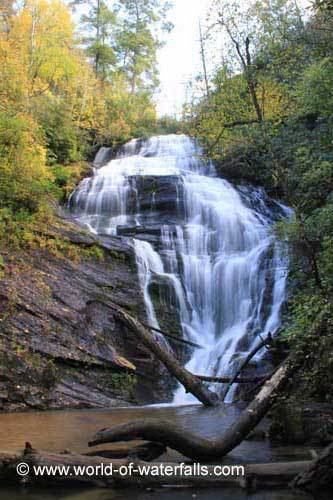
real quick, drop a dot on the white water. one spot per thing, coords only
(220, 258)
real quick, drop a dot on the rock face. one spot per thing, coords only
(149, 202)
(163, 194)
(61, 345)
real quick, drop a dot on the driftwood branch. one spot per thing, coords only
(233, 380)
(173, 336)
(264, 343)
(192, 445)
(246, 476)
(145, 451)
(190, 382)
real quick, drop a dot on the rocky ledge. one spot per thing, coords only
(61, 345)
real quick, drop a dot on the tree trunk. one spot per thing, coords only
(146, 451)
(101, 471)
(264, 343)
(251, 81)
(234, 380)
(197, 447)
(173, 336)
(191, 383)
(203, 58)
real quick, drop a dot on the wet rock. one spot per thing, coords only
(162, 194)
(137, 230)
(103, 156)
(61, 345)
(258, 200)
(73, 394)
(166, 305)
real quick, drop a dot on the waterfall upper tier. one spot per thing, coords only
(205, 250)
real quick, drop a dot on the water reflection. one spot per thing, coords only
(59, 430)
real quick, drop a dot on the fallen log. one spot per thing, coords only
(192, 445)
(190, 382)
(31, 458)
(96, 470)
(147, 452)
(248, 476)
(173, 337)
(264, 343)
(238, 380)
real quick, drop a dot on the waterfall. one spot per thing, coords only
(211, 243)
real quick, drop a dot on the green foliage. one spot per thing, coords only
(123, 383)
(123, 40)
(310, 335)
(315, 91)
(168, 125)
(324, 4)
(100, 24)
(288, 60)
(56, 108)
(66, 178)
(64, 141)
(24, 178)
(138, 38)
(17, 228)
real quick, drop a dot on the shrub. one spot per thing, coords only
(24, 178)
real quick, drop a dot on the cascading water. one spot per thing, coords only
(209, 242)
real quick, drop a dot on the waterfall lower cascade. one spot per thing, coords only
(209, 243)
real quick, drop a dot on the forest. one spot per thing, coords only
(83, 75)
(66, 90)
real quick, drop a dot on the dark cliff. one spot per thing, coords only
(61, 345)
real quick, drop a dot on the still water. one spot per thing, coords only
(60, 430)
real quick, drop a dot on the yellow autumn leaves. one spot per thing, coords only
(52, 105)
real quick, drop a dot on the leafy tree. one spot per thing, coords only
(6, 12)
(24, 178)
(263, 40)
(63, 138)
(100, 22)
(241, 30)
(324, 4)
(140, 26)
(315, 91)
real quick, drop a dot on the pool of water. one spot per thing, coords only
(157, 494)
(60, 430)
